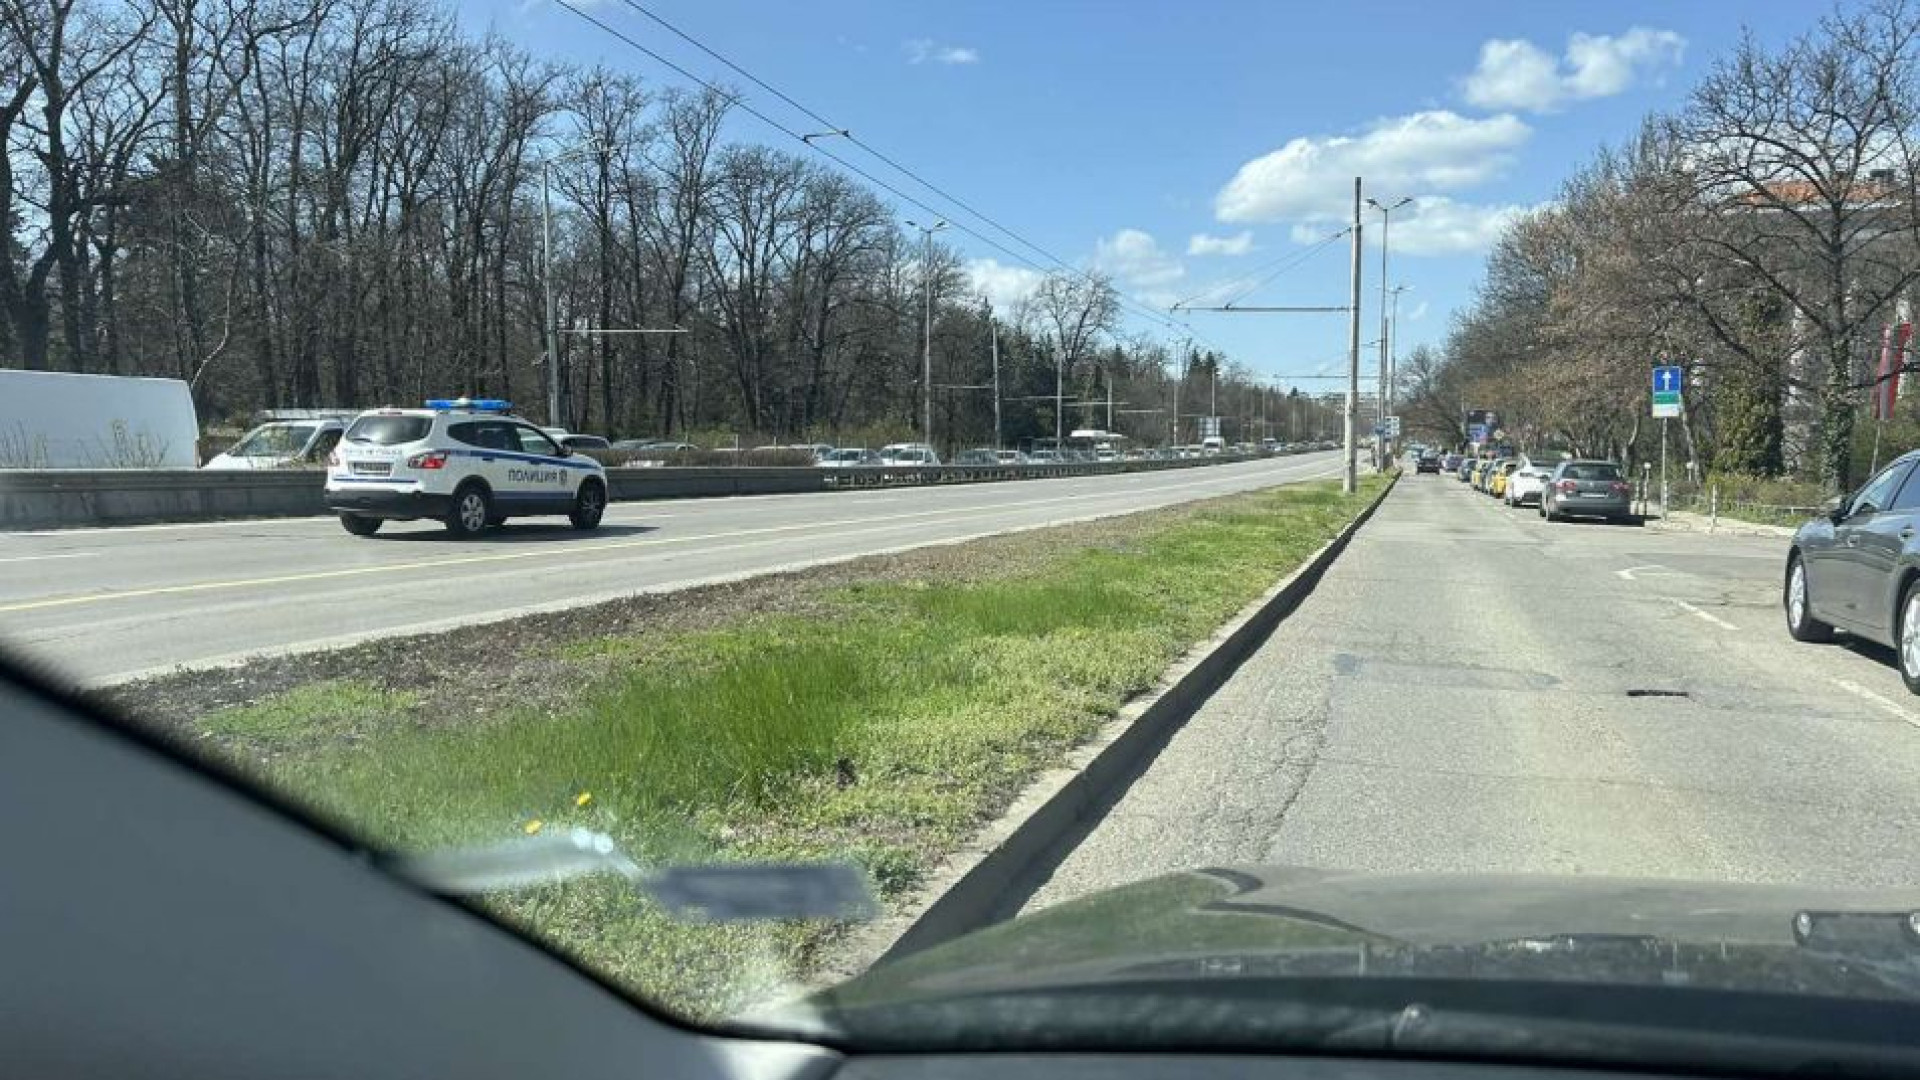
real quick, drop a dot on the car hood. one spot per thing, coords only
(1265, 923)
(265, 461)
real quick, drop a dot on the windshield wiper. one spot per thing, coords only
(716, 892)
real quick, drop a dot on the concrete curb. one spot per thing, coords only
(1686, 521)
(969, 891)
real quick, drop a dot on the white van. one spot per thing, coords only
(282, 444)
(55, 420)
(1213, 445)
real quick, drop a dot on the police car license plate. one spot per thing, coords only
(372, 468)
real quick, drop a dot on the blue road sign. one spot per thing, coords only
(1477, 433)
(1666, 380)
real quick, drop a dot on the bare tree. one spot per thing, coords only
(1802, 164)
(1075, 310)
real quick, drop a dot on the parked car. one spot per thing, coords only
(585, 442)
(1010, 457)
(1427, 463)
(1587, 489)
(1497, 476)
(848, 457)
(908, 454)
(1854, 569)
(282, 444)
(1526, 483)
(979, 455)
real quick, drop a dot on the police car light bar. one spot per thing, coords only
(473, 404)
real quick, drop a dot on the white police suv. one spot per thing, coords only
(467, 463)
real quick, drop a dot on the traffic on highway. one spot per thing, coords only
(751, 541)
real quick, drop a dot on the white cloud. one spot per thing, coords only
(1137, 261)
(1418, 312)
(1517, 74)
(1005, 287)
(922, 50)
(1312, 176)
(1238, 244)
(1434, 225)
(1441, 226)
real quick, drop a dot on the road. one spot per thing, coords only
(103, 605)
(1472, 689)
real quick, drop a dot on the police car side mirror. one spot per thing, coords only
(565, 450)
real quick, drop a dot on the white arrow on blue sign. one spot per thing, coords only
(1666, 380)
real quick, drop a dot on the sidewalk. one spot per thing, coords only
(1687, 521)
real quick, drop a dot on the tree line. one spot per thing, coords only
(301, 203)
(1763, 235)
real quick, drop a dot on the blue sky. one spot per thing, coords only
(1114, 134)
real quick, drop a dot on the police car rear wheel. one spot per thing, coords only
(360, 526)
(588, 506)
(470, 512)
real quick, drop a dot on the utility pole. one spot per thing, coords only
(1349, 478)
(1109, 402)
(995, 328)
(1186, 354)
(1059, 399)
(556, 415)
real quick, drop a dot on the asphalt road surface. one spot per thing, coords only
(103, 605)
(1471, 689)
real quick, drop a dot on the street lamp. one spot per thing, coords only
(926, 354)
(1386, 214)
(1393, 339)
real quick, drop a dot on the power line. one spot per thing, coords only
(1280, 266)
(1139, 308)
(847, 134)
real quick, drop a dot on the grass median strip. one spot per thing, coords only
(878, 711)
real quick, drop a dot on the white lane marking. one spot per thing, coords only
(586, 600)
(1710, 617)
(1865, 694)
(1629, 572)
(577, 549)
(38, 558)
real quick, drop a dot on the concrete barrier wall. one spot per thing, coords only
(69, 498)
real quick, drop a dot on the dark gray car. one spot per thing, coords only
(1587, 489)
(1857, 568)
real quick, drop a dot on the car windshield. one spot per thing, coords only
(1492, 544)
(389, 430)
(274, 440)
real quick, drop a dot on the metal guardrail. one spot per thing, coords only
(70, 498)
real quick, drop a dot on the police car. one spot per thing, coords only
(465, 462)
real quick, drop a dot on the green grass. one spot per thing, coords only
(323, 709)
(885, 733)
